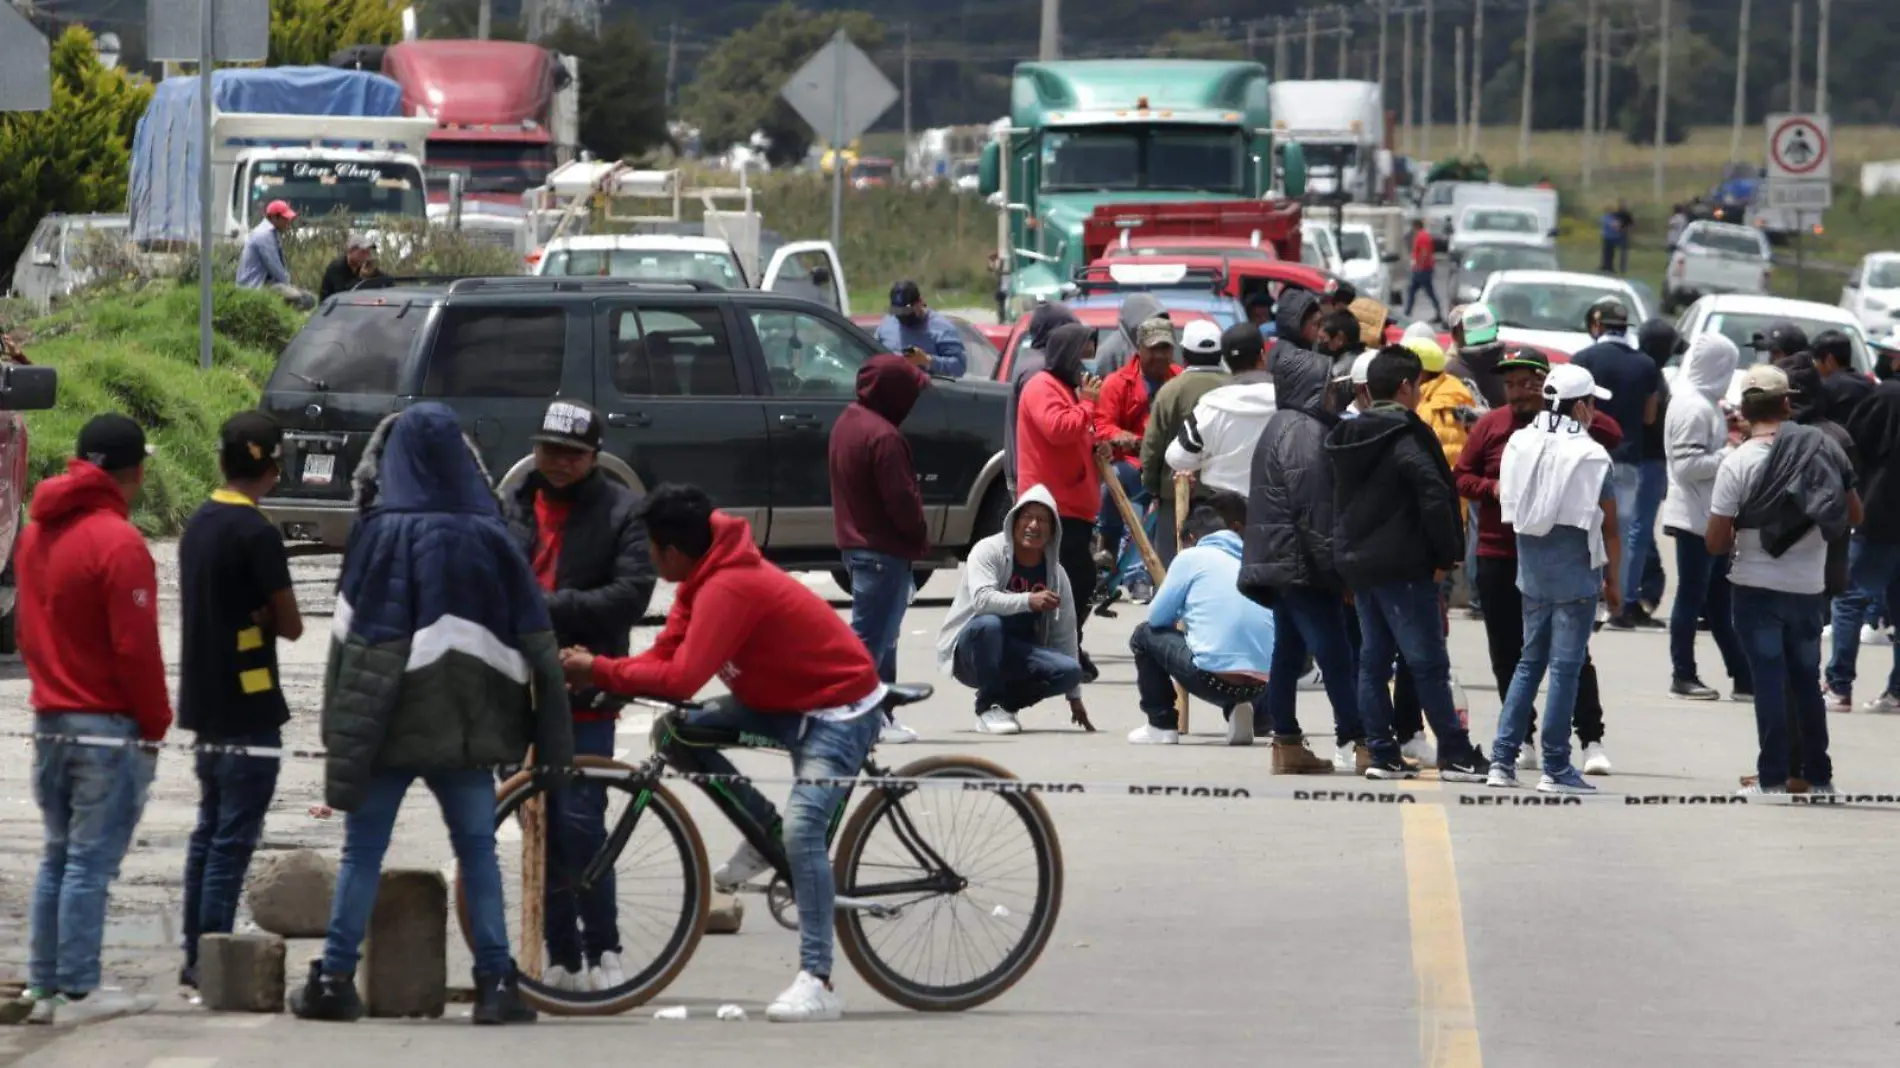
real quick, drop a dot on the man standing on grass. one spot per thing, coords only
(88, 625)
(236, 602)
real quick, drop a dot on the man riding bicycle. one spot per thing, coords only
(798, 676)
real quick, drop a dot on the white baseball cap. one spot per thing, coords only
(1201, 336)
(1362, 366)
(1567, 381)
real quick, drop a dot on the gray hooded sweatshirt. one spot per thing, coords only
(1695, 432)
(1138, 308)
(982, 590)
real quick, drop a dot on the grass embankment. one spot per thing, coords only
(136, 351)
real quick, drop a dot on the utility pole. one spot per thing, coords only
(1530, 74)
(1820, 55)
(484, 16)
(1603, 88)
(907, 96)
(1280, 63)
(1662, 106)
(672, 59)
(1425, 92)
(1590, 46)
(1476, 99)
(1312, 40)
(1345, 33)
(1741, 87)
(1794, 66)
(1458, 86)
(1383, 19)
(1051, 47)
(1407, 102)
(1250, 38)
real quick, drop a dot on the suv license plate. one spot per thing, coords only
(319, 470)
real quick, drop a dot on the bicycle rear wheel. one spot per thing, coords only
(946, 952)
(662, 890)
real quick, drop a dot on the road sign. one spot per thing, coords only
(839, 91)
(26, 71)
(1799, 194)
(240, 32)
(1801, 147)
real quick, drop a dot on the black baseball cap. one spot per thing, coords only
(1781, 336)
(1524, 360)
(249, 444)
(1342, 291)
(1242, 343)
(112, 442)
(904, 294)
(569, 424)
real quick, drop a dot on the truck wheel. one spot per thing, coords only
(843, 578)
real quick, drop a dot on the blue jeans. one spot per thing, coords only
(1162, 658)
(1305, 618)
(1402, 619)
(234, 793)
(467, 799)
(1556, 637)
(1008, 672)
(580, 925)
(1471, 557)
(820, 749)
(1872, 570)
(90, 799)
(1702, 588)
(1422, 282)
(1649, 481)
(1781, 635)
(1109, 521)
(881, 586)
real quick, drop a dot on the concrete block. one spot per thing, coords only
(241, 972)
(290, 893)
(405, 968)
(725, 915)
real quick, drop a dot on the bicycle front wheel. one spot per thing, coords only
(939, 951)
(658, 891)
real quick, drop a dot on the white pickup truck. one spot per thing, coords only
(1714, 257)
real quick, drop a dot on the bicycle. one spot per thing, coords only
(982, 912)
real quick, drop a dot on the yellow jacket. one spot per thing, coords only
(1438, 401)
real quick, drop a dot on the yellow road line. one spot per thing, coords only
(1447, 1018)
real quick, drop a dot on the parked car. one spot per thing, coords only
(1743, 318)
(1476, 263)
(1548, 308)
(806, 269)
(1484, 225)
(734, 390)
(1715, 257)
(1367, 264)
(1872, 292)
(52, 265)
(979, 351)
(23, 388)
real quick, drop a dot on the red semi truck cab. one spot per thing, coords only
(1272, 224)
(493, 101)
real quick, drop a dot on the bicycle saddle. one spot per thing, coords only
(901, 694)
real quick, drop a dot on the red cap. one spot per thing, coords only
(278, 208)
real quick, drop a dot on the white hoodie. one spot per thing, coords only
(1218, 438)
(1695, 432)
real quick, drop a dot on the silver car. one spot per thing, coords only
(52, 265)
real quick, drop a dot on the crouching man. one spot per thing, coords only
(1227, 647)
(1010, 634)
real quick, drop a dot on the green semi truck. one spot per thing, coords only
(1092, 134)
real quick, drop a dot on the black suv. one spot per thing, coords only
(732, 390)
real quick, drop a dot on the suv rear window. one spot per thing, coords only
(350, 348)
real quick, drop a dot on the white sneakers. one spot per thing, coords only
(1837, 702)
(1595, 760)
(745, 863)
(607, 974)
(1346, 758)
(101, 1004)
(1419, 749)
(895, 733)
(997, 720)
(1240, 724)
(1530, 758)
(808, 1000)
(1886, 704)
(562, 979)
(1312, 680)
(1872, 635)
(1148, 734)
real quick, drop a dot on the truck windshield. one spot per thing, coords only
(1207, 159)
(495, 166)
(352, 188)
(656, 264)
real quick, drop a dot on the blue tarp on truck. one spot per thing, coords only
(163, 199)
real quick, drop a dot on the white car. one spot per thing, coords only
(1872, 292)
(1548, 308)
(1715, 257)
(808, 269)
(1368, 264)
(1482, 225)
(1741, 318)
(1318, 248)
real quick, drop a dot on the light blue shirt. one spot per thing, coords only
(936, 335)
(1225, 631)
(262, 262)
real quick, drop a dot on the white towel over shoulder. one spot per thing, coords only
(1553, 477)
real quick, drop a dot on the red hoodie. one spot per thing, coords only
(875, 503)
(88, 603)
(1124, 405)
(778, 646)
(1055, 442)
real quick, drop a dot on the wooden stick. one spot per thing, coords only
(1149, 558)
(534, 853)
(1183, 491)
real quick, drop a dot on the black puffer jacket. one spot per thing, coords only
(1397, 510)
(1289, 537)
(603, 578)
(1287, 317)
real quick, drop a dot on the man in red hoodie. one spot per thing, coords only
(877, 510)
(1121, 420)
(797, 675)
(88, 624)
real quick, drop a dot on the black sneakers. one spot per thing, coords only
(1692, 690)
(327, 997)
(1392, 768)
(1473, 768)
(498, 1000)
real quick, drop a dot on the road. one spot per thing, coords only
(1201, 931)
